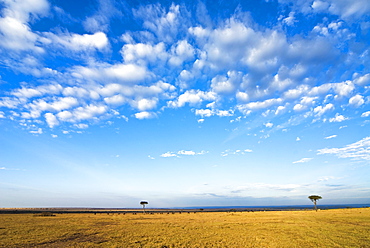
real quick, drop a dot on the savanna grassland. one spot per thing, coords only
(326, 228)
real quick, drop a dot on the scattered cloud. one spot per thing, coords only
(193, 98)
(286, 190)
(365, 114)
(338, 118)
(320, 110)
(290, 20)
(328, 178)
(8, 169)
(51, 120)
(211, 112)
(254, 69)
(182, 152)
(77, 42)
(81, 126)
(303, 160)
(38, 131)
(359, 150)
(269, 124)
(168, 155)
(331, 137)
(235, 152)
(356, 100)
(145, 115)
(191, 153)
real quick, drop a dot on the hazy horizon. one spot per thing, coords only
(106, 103)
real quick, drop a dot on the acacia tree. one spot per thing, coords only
(143, 203)
(314, 199)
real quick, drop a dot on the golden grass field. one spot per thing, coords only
(325, 228)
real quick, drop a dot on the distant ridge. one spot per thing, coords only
(276, 207)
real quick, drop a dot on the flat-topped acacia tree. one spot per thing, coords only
(314, 199)
(143, 203)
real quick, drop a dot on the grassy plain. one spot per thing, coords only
(326, 228)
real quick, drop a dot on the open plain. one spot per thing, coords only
(304, 228)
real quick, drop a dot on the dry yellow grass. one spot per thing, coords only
(329, 228)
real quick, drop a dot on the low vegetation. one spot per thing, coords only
(325, 228)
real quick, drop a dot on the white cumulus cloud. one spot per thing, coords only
(338, 118)
(51, 120)
(145, 115)
(356, 100)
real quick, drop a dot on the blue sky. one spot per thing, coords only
(196, 103)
